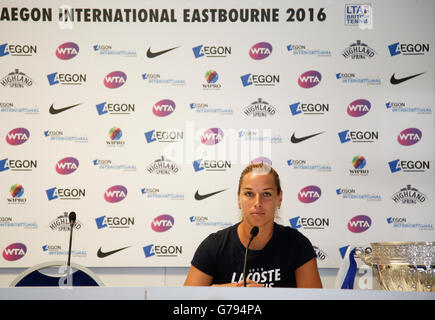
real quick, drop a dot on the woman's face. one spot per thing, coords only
(258, 199)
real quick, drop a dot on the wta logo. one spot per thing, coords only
(16, 190)
(17, 136)
(115, 79)
(115, 194)
(409, 136)
(309, 79)
(359, 224)
(162, 223)
(260, 50)
(67, 50)
(67, 165)
(358, 108)
(212, 136)
(14, 251)
(164, 108)
(309, 194)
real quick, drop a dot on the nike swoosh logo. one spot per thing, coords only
(297, 140)
(158, 53)
(394, 80)
(101, 254)
(56, 111)
(205, 196)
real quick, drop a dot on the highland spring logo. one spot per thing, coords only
(16, 79)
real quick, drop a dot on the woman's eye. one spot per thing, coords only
(267, 194)
(249, 194)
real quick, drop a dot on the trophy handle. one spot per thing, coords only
(364, 254)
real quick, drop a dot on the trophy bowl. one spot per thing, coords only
(401, 266)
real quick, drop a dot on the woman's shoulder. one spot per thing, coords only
(288, 232)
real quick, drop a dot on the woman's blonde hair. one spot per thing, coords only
(260, 168)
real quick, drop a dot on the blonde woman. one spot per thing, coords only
(279, 256)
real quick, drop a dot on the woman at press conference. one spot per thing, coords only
(257, 251)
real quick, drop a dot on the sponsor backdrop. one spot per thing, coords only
(140, 116)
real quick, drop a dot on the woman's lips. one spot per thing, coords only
(258, 212)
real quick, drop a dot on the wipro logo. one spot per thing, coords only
(67, 50)
(309, 79)
(309, 194)
(164, 108)
(17, 136)
(358, 108)
(409, 136)
(115, 79)
(115, 194)
(260, 50)
(212, 136)
(162, 223)
(359, 224)
(67, 165)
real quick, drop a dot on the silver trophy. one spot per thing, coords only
(401, 266)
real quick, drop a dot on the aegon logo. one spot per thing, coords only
(211, 51)
(260, 80)
(171, 135)
(65, 193)
(17, 50)
(66, 78)
(408, 166)
(409, 136)
(211, 165)
(260, 50)
(164, 108)
(67, 50)
(359, 224)
(14, 251)
(309, 194)
(115, 79)
(358, 108)
(309, 223)
(212, 136)
(309, 79)
(17, 165)
(115, 194)
(67, 165)
(308, 108)
(17, 136)
(162, 251)
(114, 222)
(358, 136)
(162, 223)
(408, 49)
(115, 108)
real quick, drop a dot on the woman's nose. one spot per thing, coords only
(258, 201)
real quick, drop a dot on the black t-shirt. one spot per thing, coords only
(221, 255)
